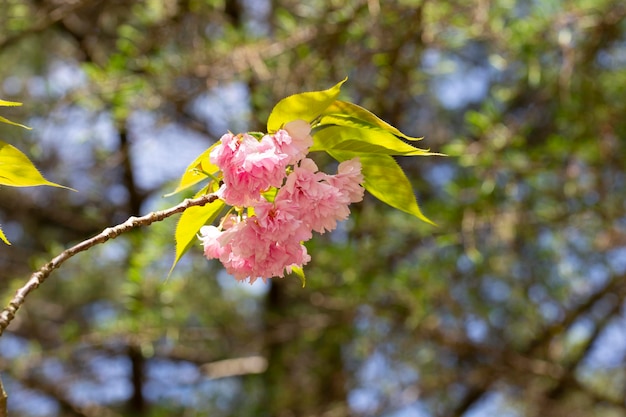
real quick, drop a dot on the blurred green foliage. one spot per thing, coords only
(513, 304)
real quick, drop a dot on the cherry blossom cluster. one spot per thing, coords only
(262, 236)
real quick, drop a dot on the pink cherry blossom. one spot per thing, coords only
(321, 203)
(267, 242)
(278, 257)
(281, 221)
(249, 166)
(294, 140)
(248, 251)
(209, 236)
(349, 179)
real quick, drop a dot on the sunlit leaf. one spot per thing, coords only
(299, 272)
(270, 194)
(197, 171)
(385, 180)
(363, 140)
(7, 121)
(343, 113)
(17, 170)
(190, 223)
(304, 106)
(5, 103)
(3, 237)
(354, 145)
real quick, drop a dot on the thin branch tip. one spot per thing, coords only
(38, 277)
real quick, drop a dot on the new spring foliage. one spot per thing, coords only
(273, 196)
(16, 170)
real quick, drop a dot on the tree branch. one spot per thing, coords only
(43, 20)
(476, 391)
(57, 389)
(38, 277)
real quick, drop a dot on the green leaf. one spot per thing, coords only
(17, 170)
(190, 223)
(299, 272)
(363, 141)
(7, 121)
(343, 113)
(3, 237)
(386, 181)
(5, 103)
(270, 194)
(197, 171)
(304, 106)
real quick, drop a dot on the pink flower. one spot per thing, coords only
(321, 203)
(294, 140)
(278, 257)
(349, 179)
(281, 221)
(249, 251)
(210, 238)
(249, 166)
(268, 243)
(234, 247)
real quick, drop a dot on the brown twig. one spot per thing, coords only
(38, 277)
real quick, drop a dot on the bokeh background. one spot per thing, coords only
(512, 307)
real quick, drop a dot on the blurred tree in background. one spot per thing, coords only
(512, 306)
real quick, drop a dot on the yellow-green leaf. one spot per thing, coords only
(17, 170)
(343, 113)
(3, 237)
(299, 272)
(197, 171)
(373, 141)
(7, 121)
(304, 106)
(5, 103)
(386, 181)
(190, 223)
